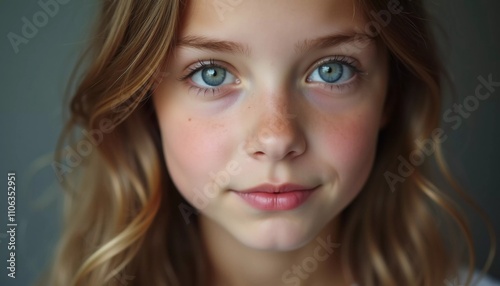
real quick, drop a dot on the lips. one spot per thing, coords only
(276, 198)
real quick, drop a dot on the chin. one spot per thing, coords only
(276, 234)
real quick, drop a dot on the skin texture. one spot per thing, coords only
(270, 124)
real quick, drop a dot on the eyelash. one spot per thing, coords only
(344, 60)
(349, 62)
(199, 66)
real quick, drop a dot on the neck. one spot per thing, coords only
(232, 263)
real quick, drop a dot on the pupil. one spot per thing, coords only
(330, 72)
(327, 69)
(213, 76)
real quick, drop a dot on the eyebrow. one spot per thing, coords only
(203, 43)
(214, 45)
(330, 41)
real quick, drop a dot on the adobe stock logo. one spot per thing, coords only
(223, 6)
(40, 19)
(299, 272)
(456, 115)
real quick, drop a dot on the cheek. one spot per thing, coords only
(193, 151)
(351, 146)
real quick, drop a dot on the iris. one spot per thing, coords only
(213, 76)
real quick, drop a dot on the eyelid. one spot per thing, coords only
(337, 88)
(200, 64)
(349, 61)
(216, 91)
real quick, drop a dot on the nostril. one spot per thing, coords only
(259, 155)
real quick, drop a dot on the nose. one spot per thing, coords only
(276, 135)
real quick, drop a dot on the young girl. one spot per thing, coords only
(233, 142)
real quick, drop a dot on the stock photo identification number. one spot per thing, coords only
(11, 224)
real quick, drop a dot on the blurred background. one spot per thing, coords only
(34, 70)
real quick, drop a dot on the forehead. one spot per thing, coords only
(276, 20)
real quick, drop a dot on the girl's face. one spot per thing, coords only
(271, 92)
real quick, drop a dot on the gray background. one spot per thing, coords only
(32, 85)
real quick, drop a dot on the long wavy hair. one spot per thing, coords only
(122, 222)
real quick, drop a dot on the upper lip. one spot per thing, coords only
(269, 188)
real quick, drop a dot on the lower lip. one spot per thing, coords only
(276, 201)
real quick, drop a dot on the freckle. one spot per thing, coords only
(189, 119)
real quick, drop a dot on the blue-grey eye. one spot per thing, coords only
(212, 76)
(333, 72)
